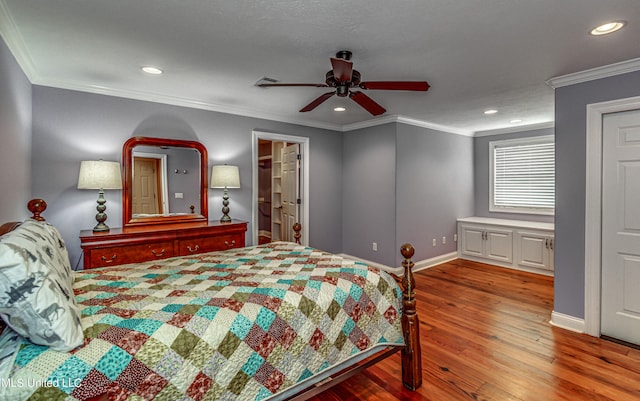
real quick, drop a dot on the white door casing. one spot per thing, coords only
(304, 180)
(620, 306)
(290, 190)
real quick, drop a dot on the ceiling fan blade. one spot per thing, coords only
(367, 103)
(342, 69)
(277, 84)
(396, 85)
(317, 102)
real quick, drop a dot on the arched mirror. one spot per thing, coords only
(165, 181)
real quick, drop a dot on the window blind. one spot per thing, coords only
(524, 176)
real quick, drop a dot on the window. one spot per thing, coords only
(522, 176)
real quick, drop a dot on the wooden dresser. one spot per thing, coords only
(139, 244)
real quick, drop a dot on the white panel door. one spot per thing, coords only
(290, 190)
(620, 316)
(145, 198)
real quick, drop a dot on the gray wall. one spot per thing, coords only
(434, 184)
(369, 193)
(481, 175)
(70, 126)
(15, 138)
(570, 128)
(404, 183)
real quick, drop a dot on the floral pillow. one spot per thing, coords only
(36, 287)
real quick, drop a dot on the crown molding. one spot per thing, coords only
(395, 118)
(11, 35)
(437, 127)
(520, 128)
(179, 101)
(605, 71)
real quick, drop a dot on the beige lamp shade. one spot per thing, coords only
(225, 176)
(99, 174)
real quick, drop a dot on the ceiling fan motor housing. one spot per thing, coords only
(342, 88)
(344, 54)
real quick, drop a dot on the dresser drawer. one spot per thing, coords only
(119, 255)
(210, 244)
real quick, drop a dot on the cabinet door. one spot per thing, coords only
(472, 240)
(551, 265)
(499, 245)
(535, 250)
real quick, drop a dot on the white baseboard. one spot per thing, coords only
(567, 322)
(427, 263)
(423, 264)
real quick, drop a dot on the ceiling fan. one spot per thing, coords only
(344, 78)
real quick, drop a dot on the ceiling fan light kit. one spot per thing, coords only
(343, 78)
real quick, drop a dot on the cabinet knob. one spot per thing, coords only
(194, 249)
(105, 260)
(230, 245)
(158, 254)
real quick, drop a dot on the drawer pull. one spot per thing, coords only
(194, 249)
(158, 254)
(105, 260)
(230, 245)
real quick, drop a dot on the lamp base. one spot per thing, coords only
(225, 207)
(101, 216)
(100, 227)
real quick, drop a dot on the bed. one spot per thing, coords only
(268, 322)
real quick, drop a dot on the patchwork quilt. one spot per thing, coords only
(242, 324)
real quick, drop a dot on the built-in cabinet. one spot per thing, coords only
(523, 245)
(487, 242)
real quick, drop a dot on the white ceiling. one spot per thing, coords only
(475, 54)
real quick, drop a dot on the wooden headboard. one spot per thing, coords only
(35, 206)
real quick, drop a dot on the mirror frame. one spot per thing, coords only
(127, 192)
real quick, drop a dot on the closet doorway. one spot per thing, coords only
(280, 187)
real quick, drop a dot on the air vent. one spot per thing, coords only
(265, 80)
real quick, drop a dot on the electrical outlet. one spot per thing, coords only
(444, 240)
(374, 246)
(435, 242)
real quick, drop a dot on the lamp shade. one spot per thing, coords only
(99, 174)
(225, 176)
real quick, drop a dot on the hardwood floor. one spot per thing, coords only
(485, 335)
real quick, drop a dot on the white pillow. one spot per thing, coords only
(36, 287)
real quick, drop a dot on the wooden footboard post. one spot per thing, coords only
(296, 229)
(411, 353)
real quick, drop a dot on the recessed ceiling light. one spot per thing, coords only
(490, 111)
(515, 121)
(339, 109)
(151, 70)
(609, 27)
